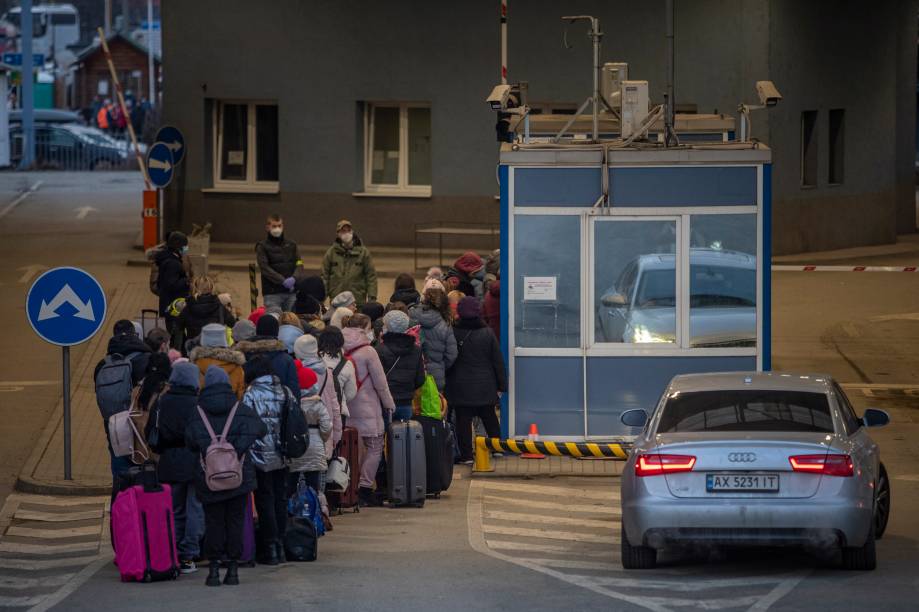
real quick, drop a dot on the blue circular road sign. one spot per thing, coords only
(66, 306)
(172, 138)
(160, 165)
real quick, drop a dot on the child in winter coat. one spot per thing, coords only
(306, 350)
(402, 361)
(437, 340)
(313, 464)
(331, 346)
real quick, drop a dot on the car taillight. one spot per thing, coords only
(829, 465)
(654, 465)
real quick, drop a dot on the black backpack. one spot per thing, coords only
(295, 437)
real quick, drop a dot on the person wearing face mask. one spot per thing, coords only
(279, 260)
(172, 280)
(348, 266)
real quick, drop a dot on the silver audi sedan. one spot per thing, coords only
(754, 459)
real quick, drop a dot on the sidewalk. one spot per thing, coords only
(905, 252)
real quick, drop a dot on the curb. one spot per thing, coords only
(74, 488)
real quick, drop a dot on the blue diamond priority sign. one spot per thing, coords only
(66, 306)
(160, 165)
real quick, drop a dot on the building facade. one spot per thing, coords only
(376, 111)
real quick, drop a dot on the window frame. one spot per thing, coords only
(402, 188)
(251, 184)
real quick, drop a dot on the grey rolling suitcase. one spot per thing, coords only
(406, 468)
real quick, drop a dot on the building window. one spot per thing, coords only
(809, 149)
(397, 145)
(837, 146)
(246, 146)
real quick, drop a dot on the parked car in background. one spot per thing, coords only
(48, 115)
(72, 147)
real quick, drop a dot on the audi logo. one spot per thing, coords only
(742, 457)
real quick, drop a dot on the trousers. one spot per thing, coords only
(224, 528)
(189, 519)
(370, 461)
(284, 301)
(271, 504)
(464, 416)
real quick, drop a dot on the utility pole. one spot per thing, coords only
(27, 101)
(151, 78)
(108, 18)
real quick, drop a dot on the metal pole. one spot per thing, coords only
(596, 35)
(504, 42)
(27, 102)
(108, 18)
(67, 471)
(668, 117)
(151, 87)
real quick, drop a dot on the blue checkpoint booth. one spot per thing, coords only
(624, 267)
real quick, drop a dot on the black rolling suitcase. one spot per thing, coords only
(405, 464)
(438, 453)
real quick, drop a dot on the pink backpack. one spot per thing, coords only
(222, 467)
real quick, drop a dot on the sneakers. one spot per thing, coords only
(466, 462)
(187, 566)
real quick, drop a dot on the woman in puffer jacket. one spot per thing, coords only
(268, 397)
(367, 407)
(313, 464)
(437, 340)
(306, 350)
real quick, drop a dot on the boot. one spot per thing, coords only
(366, 497)
(279, 548)
(213, 574)
(232, 576)
(270, 555)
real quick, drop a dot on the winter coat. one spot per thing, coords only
(172, 280)
(409, 297)
(216, 401)
(274, 350)
(478, 373)
(266, 396)
(228, 360)
(171, 416)
(491, 308)
(124, 345)
(402, 361)
(437, 342)
(278, 259)
(320, 428)
(346, 380)
(345, 269)
(373, 393)
(326, 392)
(202, 310)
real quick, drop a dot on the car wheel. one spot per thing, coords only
(861, 559)
(636, 557)
(881, 503)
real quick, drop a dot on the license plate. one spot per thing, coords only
(715, 483)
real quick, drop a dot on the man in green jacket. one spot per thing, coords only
(348, 266)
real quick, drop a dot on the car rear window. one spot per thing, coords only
(746, 410)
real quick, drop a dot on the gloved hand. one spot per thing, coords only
(289, 283)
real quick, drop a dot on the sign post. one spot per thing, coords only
(66, 306)
(167, 152)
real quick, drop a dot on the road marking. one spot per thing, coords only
(56, 517)
(571, 564)
(19, 547)
(551, 534)
(689, 586)
(19, 602)
(31, 583)
(550, 519)
(565, 492)
(786, 587)
(84, 210)
(851, 330)
(19, 199)
(908, 477)
(29, 272)
(43, 564)
(49, 500)
(20, 385)
(54, 534)
(544, 505)
(547, 548)
(906, 316)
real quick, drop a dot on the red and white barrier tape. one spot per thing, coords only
(845, 268)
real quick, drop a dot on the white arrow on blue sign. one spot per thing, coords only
(160, 165)
(66, 306)
(173, 139)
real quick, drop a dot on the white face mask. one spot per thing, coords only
(369, 333)
(277, 232)
(346, 237)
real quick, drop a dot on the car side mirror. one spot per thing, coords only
(611, 300)
(634, 418)
(875, 418)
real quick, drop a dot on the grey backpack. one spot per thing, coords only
(114, 384)
(223, 470)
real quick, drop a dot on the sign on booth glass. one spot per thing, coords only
(540, 288)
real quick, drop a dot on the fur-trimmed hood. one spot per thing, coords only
(219, 353)
(262, 345)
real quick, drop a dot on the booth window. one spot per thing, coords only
(635, 288)
(397, 149)
(837, 146)
(246, 146)
(809, 149)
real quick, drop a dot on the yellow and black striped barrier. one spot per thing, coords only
(603, 450)
(253, 287)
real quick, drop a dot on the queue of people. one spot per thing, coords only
(321, 344)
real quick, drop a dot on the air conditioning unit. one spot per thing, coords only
(634, 96)
(611, 78)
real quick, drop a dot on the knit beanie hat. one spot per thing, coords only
(243, 330)
(469, 308)
(338, 315)
(433, 283)
(184, 374)
(124, 326)
(215, 376)
(267, 326)
(307, 378)
(306, 347)
(374, 310)
(343, 300)
(256, 315)
(396, 321)
(288, 334)
(469, 262)
(214, 335)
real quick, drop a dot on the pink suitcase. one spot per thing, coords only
(143, 535)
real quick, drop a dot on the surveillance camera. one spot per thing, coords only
(499, 96)
(767, 93)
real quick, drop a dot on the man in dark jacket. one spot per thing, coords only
(265, 345)
(476, 377)
(170, 417)
(172, 280)
(224, 511)
(279, 259)
(402, 361)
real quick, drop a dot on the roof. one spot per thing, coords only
(97, 47)
(772, 381)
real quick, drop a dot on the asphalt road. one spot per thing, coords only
(481, 547)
